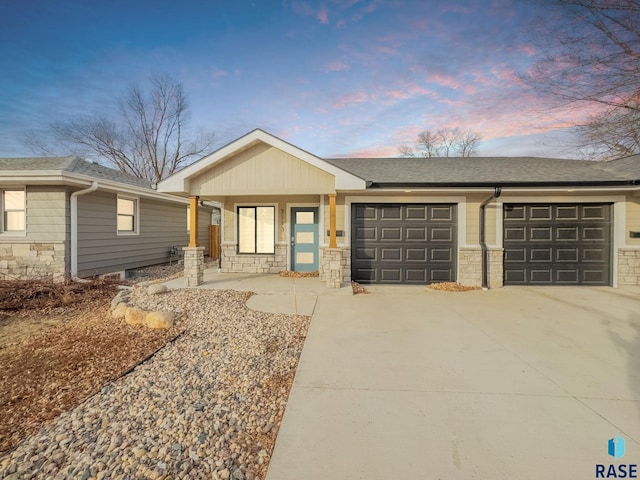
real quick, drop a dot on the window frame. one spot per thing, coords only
(255, 207)
(3, 222)
(136, 215)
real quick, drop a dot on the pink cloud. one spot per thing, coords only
(218, 74)
(323, 15)
(351, 99)
(336, 66)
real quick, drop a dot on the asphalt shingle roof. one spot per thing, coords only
(488, 170)
(71, 165)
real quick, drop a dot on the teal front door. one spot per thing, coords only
(304, 239)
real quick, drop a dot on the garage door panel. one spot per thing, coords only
(567, 276)
(515, 233)
(569, 234)
(415, 275)
(416, 234)
(416, 212)
(567, 212)
(396, 243)
(390, 275)
(515, 255)
(444, 213)
(390, 254)
(594, 233)
(540, 234)
(365, 253)
(541, 255)
(391, 234)
(514, 212)
(415, 254)
(566, 255)
(598, 212)
(540, 213)
(441, 234)
(391, 213)
(557, 244)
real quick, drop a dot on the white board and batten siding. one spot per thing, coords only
(161, 225)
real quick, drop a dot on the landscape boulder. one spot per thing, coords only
(156, 289)
(159, 319)
(120, 310)
(134, 316)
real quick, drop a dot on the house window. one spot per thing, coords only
(127, 215)
(13, 211)
(256, 229)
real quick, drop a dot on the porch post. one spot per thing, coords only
(193, 218)
(193, 254)
(332, 221)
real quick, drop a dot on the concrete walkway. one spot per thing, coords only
(514, 383)
(274, 293)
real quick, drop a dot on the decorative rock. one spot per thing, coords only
(134, 316)
(180, 414)
(159, 320)
(156, 289)
(238, 475)
(120, 310)
(122, 296)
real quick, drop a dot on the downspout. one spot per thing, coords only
(483, 243)
(74, 228)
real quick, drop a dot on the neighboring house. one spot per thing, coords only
(491, 221)
(69, 217)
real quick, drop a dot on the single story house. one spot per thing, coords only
(478, 221)
(64, 216)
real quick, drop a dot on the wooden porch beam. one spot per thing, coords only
(332, 221)
(193, 220)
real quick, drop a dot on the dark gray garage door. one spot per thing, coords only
(557, 244)
(403, 243)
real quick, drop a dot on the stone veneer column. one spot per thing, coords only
(470, 261)
(629, 266)
(193, 266)
(331, 267)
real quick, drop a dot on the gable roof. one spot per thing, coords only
(490, 171)
(73, 165)
(179, 182)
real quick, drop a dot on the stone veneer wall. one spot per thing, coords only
(25, 261)
(193, 266)
(471, 267)
(629, 266)
(335, 266)
(233, 262)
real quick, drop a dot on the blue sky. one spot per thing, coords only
(337, 78)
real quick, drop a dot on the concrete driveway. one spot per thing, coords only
(510, 383)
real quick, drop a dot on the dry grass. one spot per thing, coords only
(289, 273)
(64, 346)
(357, 289)
(452, 287)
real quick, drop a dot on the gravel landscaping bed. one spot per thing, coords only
(207, 405)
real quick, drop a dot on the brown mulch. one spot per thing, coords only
(289, 273)
(78, 349)
(45, 295)
(357, 288)
(452, 287)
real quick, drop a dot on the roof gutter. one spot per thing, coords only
(74, 228)
(605, 183)
(483, 244)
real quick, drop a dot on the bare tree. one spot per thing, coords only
(591, 57)
(445, 142)
(149, 138)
